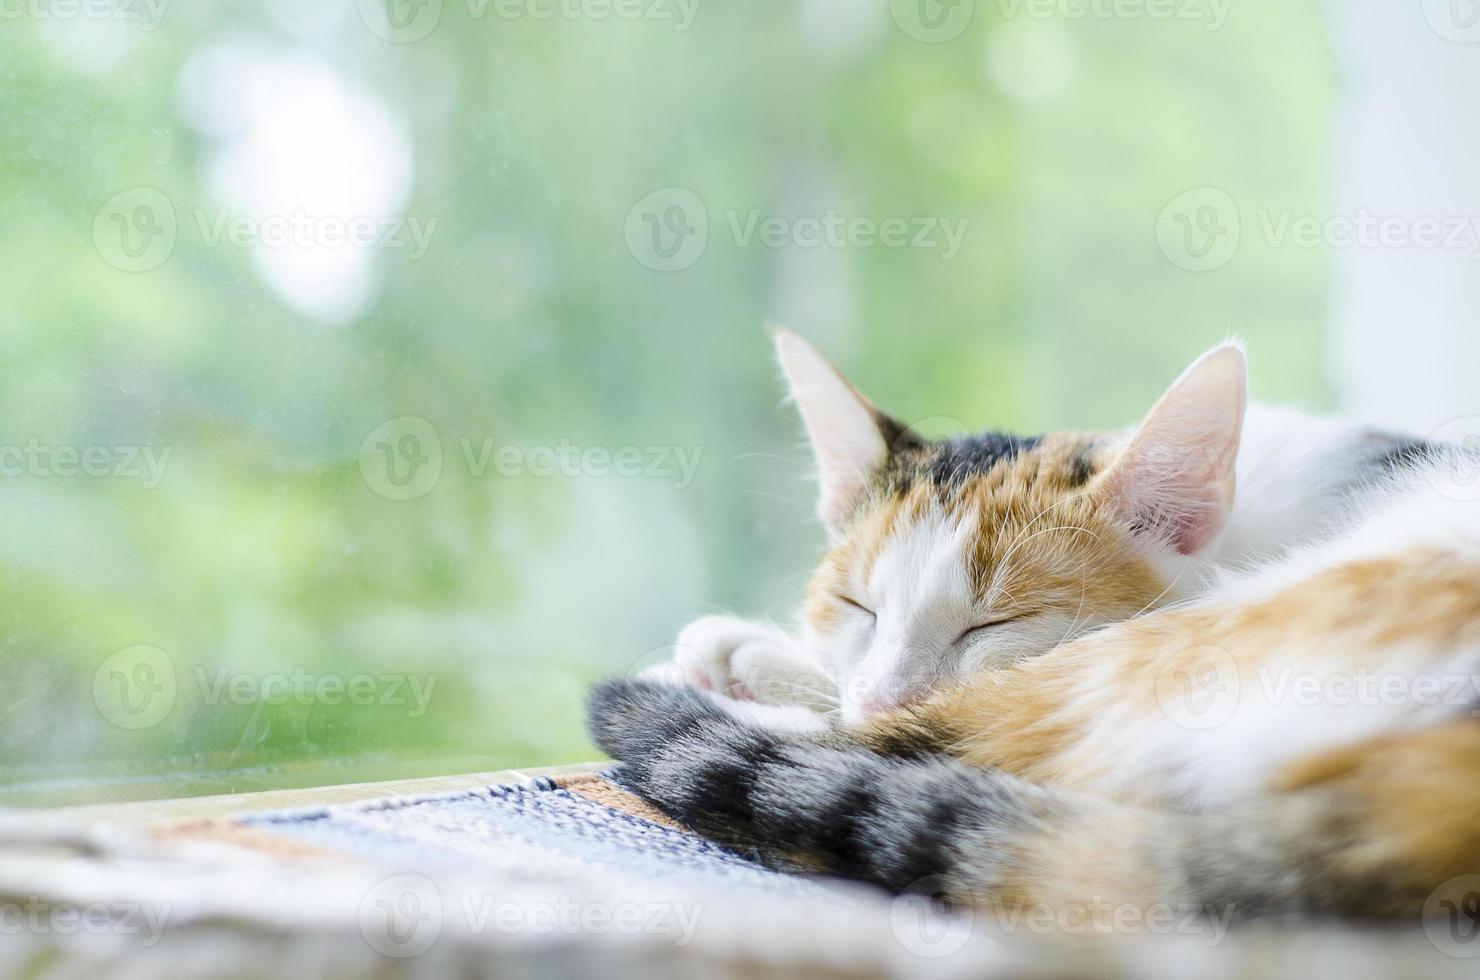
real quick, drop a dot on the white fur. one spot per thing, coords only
(1262, 481)
(1299, 700)
(922, 592)
(840, 424)
(1293, 472)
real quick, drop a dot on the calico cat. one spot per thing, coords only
(1300, 738)
(950, 557)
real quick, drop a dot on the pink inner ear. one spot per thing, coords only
(1175, 480)
(1196, 532)
(1180, 497)
(1195, 525)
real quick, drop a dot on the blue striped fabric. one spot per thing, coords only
(536, 829)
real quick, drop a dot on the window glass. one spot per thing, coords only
(376, 375)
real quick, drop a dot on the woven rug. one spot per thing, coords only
(575, 829)
(554, 877)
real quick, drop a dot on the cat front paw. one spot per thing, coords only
(746, 661)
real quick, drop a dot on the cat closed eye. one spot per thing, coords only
(968, 634)
(848, 601)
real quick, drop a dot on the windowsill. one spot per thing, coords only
(156, 812)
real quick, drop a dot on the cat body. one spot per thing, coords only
(951, 557)
(1301, 738)
(1275, 713)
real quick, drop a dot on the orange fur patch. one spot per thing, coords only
(1046, 539)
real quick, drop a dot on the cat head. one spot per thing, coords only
(950, 556)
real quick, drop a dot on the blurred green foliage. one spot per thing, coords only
(265, 550)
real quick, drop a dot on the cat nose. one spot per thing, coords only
(870, 696)
(870, 706)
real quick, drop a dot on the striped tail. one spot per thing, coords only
(827, 805)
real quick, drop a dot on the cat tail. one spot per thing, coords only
(928, 823)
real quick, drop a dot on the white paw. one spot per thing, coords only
(747, 661)
(791, 719)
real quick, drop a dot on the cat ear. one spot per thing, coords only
(850, 438)
(1175, 479)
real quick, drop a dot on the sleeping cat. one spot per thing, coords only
(949, 557)
(1300, 738)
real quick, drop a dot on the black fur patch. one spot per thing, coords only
(819, 805)
(1081, 467)
(954, 460)
(936, 826)
(899, 437)
(906, 742)
(1401, 453)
